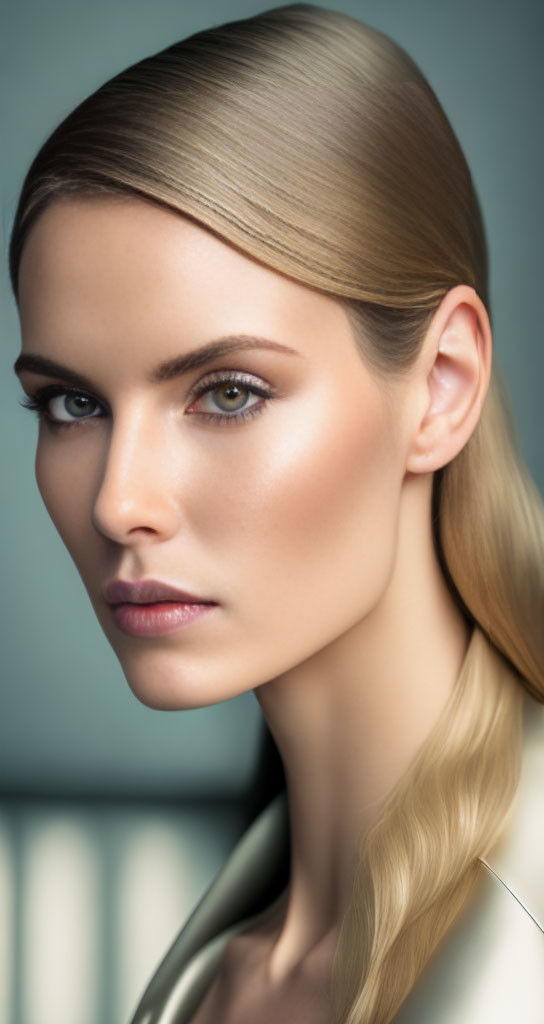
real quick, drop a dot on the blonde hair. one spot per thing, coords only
(315, 145)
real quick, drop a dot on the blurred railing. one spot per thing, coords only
(91, 895)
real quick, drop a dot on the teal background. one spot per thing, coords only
(68, 722)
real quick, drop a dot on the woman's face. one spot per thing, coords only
(282, 510)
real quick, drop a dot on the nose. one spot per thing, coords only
(135, 500)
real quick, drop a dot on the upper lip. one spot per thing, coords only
(147, 592)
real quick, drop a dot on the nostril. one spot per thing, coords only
(144, 515)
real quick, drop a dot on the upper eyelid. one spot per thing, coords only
(212, 376)
(217, 376)
(196, 390)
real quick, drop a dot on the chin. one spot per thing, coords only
(174, 683)
(156, 699)
(169, 698)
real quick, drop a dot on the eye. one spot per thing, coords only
(223, 399)
(62, 408)
(228, 394)
(70, 406)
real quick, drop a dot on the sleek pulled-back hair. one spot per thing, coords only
(315, 145)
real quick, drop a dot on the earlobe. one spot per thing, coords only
(458, 347)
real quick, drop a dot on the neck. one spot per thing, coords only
(349, 721)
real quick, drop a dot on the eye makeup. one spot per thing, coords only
(39, 401)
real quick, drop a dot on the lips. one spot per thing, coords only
(148, 592)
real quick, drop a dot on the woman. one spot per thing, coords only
(277, 213)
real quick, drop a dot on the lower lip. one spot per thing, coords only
(157, 619)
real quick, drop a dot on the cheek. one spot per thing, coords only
(320, 528)
(64, 484)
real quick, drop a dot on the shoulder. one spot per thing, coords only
(518, 862)
(254, 874)
(490, 966)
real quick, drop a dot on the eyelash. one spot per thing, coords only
(38, 401)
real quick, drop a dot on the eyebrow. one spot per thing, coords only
(165, 371)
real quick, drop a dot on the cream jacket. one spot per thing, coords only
(489, 968)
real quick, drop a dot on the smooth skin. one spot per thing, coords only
(308, 523)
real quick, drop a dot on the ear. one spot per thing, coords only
(453, 372)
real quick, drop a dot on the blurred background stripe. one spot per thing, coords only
(102, 889)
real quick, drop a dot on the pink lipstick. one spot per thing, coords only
(152, 608)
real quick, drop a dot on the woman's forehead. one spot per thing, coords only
(93, 236)
(128, 266)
